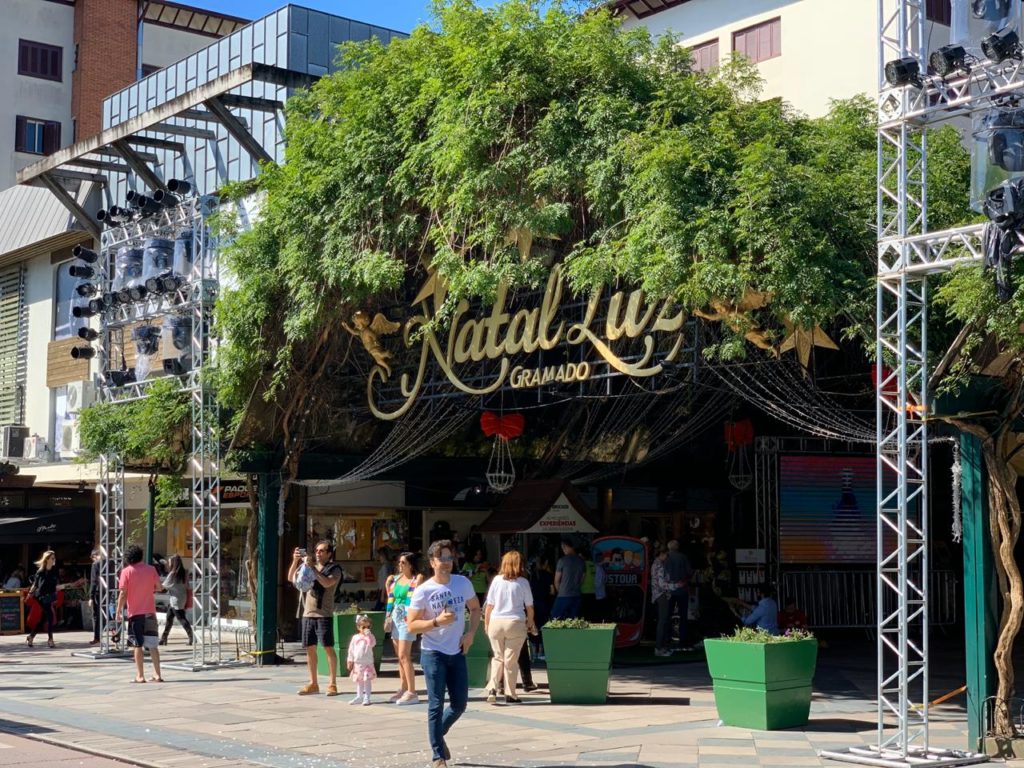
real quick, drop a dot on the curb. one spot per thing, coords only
(57, 742)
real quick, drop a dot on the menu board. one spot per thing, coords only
(12, 613)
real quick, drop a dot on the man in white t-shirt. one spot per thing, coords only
(438, 612)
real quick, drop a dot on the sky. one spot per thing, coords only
(401, 15)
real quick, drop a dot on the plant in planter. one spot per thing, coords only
(344, 628)
(762, 680)
(579, 660)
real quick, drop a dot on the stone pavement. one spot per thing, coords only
(19, 752)
(657, 717)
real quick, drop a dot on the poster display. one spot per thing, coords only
(626, 568)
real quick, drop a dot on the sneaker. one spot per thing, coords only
(309, 689)
(366, 701)
(396, 698)
(492, 697)
(409, 697)
(357, 699)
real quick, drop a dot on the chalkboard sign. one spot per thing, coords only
(12, 613)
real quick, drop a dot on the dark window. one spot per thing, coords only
(938, 11)
(39, 137)
(40, 60)
(705, 56)
(759, 42)
(149, 69)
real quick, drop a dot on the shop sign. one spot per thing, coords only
(607, 324)
(624, 562)
(561, 518)
(233, 493)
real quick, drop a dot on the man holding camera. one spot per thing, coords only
(318, 614)
(438, 611)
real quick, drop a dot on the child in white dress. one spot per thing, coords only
(360, 660)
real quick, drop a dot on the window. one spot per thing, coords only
(149, 69)
(40, 60)
(13, 346)
(759, 42)
(938, 11)
(39, 137)
(705, 56)
(65, 324)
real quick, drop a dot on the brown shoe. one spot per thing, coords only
(309, 689)
(332, 690)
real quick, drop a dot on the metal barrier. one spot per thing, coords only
(846, 599)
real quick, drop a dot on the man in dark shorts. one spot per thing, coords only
(318, 615)
(137, 585)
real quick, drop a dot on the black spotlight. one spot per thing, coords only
(903, 72)
(990, 10)
(114, 215)
(89, 334)
(1001, 45)
(98, 305)
(83, 353)
(85, 290)
(147, 206)
(83, 310)
(81, 270)
(86, 255)
(120, 378)
(179, 187)
(137, 292)
(949, 59)
(166, 199)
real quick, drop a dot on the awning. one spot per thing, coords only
(33, 220)
(48, 526)
(541, 506)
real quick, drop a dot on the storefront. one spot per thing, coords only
(33, 520)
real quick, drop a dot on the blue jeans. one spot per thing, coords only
(566, 607)
(444, 672)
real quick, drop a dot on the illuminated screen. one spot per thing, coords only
(827, 509)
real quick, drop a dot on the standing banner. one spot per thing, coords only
(626, 568)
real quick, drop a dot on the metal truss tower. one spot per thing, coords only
(191, 303)
(907, 254)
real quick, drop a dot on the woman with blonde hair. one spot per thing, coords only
(44, 590)
(508, 616)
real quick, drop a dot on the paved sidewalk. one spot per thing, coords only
(235, 717)
(19, 752)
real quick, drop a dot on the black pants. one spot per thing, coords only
(180, 614)
(48, 620)
(95, 618)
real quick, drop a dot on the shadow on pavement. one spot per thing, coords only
(12, 726)
(837, 725)
(646, 699)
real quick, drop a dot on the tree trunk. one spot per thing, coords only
(252, 546)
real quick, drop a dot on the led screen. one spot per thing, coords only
(827, 509)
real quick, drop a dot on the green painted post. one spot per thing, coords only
(267, 574)
(980, 599)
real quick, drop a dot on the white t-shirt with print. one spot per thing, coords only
(430, 598)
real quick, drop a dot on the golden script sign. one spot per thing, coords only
(500, 335)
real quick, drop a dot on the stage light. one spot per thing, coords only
(137, 292)
(83, 353)
(1001, 45)
(83, 310)
(900, 72)
(1004, 205)
(89, 334)
(179, 186)
(96, 306)
(146, 206)
(85, 254)
(85, 290)
(949, 59)
(166, 199)
(81, 270)
(120, 378)
(990, 10)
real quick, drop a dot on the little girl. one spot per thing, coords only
(360, 660)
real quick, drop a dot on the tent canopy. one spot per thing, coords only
(541, 506)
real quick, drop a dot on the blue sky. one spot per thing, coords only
(402, 15)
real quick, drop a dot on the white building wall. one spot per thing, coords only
(829, 48)
(42, 22)
(40, 280)
(162, 46)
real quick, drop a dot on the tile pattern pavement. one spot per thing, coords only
(657, 717)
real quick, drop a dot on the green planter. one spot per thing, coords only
(579, 663)
(344, 628)
(764, 686)
(478, 660)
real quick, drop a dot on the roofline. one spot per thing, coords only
(627, 7)
(224, 17)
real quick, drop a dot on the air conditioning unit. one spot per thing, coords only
(12, 441)
(36, 448)
(70, 439)
(81, 394)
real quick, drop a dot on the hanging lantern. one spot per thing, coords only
(501, 473)
(739, 436)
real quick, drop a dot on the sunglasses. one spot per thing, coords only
(445, 559)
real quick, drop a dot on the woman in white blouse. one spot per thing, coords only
(508, 616)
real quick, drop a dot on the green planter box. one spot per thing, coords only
(764, 686)
(579, 663)
(478, 660)
(344, 628)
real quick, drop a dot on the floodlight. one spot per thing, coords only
(1001, 45)
(146, 206)
(900, 72)
(1004, 205)
(990, 10)
(179, 186)
(81, 270)
(89, 334)
(949, 59)
(83, 310)
(166, 199)
(83, 353)
(85, 290)
(85, 254)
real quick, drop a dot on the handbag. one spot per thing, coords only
(188, 599)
